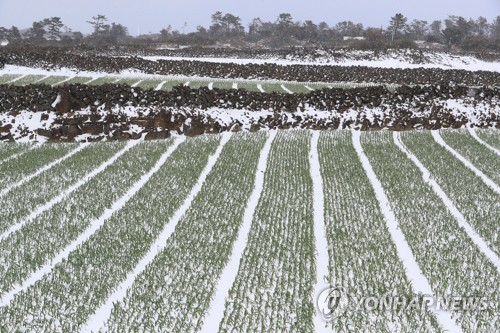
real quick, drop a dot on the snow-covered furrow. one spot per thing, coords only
(481, 141)
(479, 155)
(44, 236)
(97, 320)
(447, 259)
(94, 225)
(26, 178)
(490, 136)
(476, 201)
(216, 308)
(52, 182)
(477, 172)
(427, 177)
(10, 152)
(363, 259)
(320, 233)
(286, 89)
(216, 218)
(115, 248)
(418, 281)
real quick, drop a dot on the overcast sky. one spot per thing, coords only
(144, 16)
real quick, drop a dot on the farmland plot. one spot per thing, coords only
(273, 288)
(26, 198)
(13, 172)
(163, 298)
(29, 79)
(456, 265)
(240, 232)
(110, 250)
(480, 156)
(6, 78)
(362, 256)
(52, 80)
(490, 136)
(476, 201)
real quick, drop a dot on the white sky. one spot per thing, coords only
(144, 16)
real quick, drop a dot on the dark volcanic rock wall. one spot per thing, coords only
(56, 58)
(78, 96)
(120, 112)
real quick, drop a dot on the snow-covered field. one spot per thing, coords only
(354, 58)
(242, 232)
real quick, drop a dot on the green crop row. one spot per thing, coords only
(274, 285)
(9, 151)
(14, 170)
(476, 201)
(164, 301)
(74, 256)
(22, 200)
(444, 252)
(476, 153)
(363, 258)
(52, 299)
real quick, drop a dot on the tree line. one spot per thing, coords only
(454, 31)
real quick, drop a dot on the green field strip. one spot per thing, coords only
(362, 256)
(10, 150)
(216, 219)
(21, 201)
(15, 170)
(223, 85)
(114, 250)
(103, 80)
(39, 236)
(273, 288)
(198, 84)
(170, 84)
(29, 79)
(128, 81)
(52, 80)
(490, 136)
(480, 156)
(444, 252)
(78, 80)
(150, 84)
(297, 88)
(8, 77)
(476, 201)
(250, 86)
(273, 87)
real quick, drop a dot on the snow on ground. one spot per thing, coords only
(419, 282)
(228, 276)
(26, 179)
(437, 60)
(47, 267)
(97, 321)
(319, 232)
(478, 139)
(459, 217)
(437, 137)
